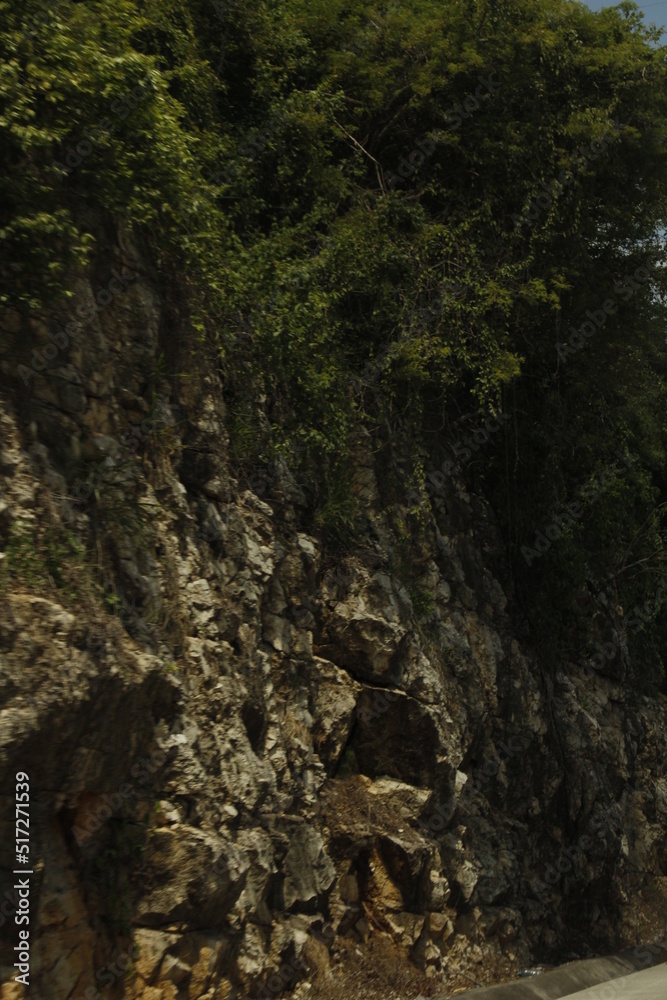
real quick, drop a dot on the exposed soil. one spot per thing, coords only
(381, 971)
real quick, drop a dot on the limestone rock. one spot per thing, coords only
(249, 738)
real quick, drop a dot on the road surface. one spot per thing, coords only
(591, 979)
(648, 985)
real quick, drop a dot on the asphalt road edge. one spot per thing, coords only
(570, 978)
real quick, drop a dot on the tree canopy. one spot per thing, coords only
(433, 207)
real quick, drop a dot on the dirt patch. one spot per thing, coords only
(380, 970)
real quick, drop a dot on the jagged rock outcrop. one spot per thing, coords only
(242, 751)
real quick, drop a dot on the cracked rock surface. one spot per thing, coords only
(249, 755)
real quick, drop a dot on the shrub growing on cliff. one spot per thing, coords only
(374, 209)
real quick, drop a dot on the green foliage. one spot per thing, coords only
(423, 603)
(40, 560)
(348, 764)
(356, 233)
(336, 506)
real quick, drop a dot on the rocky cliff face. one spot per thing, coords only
(249, 761)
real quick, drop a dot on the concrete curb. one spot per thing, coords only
(570, 978)
(649, 984)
